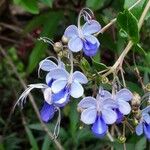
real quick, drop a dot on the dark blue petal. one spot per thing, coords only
(61, 98)
(47, 112)
(89, 48)
(99, 127)
(147, 130)
(50, 82)
(119, 116)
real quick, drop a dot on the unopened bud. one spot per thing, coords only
(58, 47)
(147, 87)
(135, 122)
(136, 100)
(64, 39)
(104, 80)
(122, 139)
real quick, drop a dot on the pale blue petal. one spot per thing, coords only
(124, 94)
(90, 45)
(146, 110)
(75, 44)
(109, 116)
(139, 129)
(146, 117)
(99, 127)
(147, 130)
(88, 116)
(58, 74)
(91, 27)
(124, 107)
(48, 95)
(58, 85)
(47, 65)
(80, 77)
(87, 102)
(47, 112)
(48, 79)
(105, 94)
(71, 32)
(76, 90)
(61, 98)
(109, 103)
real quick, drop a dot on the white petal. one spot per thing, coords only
(71, 32)
(124, 107)
(91, 27)
(124, 94)
(47, 95)
(80, 77)
(76, 89)
(58, 85)
(47, 65)
(88, 116)
(58, 73)
(87, 102)
(109, 116)
(75, 44)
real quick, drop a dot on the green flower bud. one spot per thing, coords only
(122, 139)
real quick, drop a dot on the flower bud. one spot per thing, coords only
(104, 80)
(147, 87)
(64, 39)
(122, 139)
(135, 122)
(58, 47)
(135, 103)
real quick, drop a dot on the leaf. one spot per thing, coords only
(28, 5)
(38, 52)
(139, 49)
(48, 2)
(46, 143)
(32, 140)
(95, 4)
(141, 144)
(128, 23)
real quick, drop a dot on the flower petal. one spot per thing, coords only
(120, 116)
(91, 27)
(47, 112)
(147, 130)
(76, 89)
(61, 98)
(80, 77)
(105, 94)
(146, 110)
(48, 95)
(124, 107)
(58, 74)
(71, 32)
(75, 44)
(88, 116)
(109, 116)
(87, 102)
(58, 85)
(139, 129)
(49, 79)
(146, 117)
(47, 65)
(109, 103)
(124, 94)
(90, 45)
(99, 127)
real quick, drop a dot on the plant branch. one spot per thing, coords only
(119, 62)
(59, 146)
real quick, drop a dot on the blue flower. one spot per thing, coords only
(121, 99)
(82, 38)
(144, 124)
(98, 112)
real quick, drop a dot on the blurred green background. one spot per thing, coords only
(22, 22)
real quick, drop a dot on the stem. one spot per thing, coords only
(130, 43)
(114, 20)
(59, 146)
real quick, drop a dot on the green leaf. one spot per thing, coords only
(95, 4)
(46, 143)
(32, 140)
(38, 52)
(139, 49)
(48, 2)
(141, 144)
(129, 24)
(28, 5)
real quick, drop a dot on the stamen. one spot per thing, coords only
(46, 40)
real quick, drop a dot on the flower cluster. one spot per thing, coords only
(106, 109)
(60, 84)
